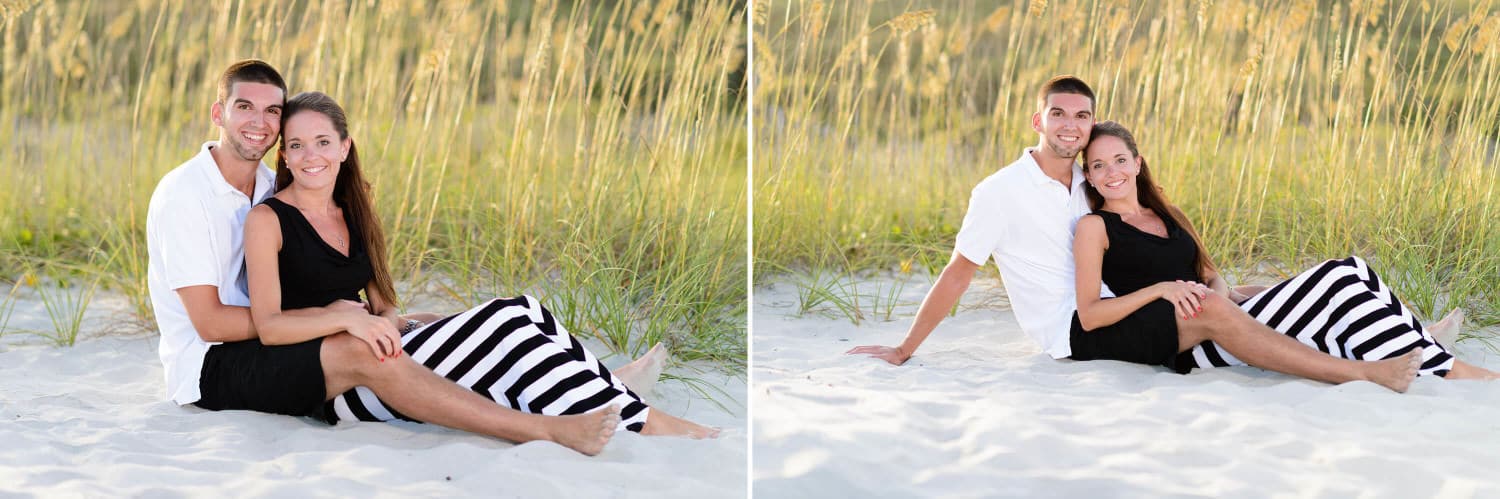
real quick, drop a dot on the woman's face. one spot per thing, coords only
(1111, 168)
(314, 150)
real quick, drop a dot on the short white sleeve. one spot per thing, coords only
(983, 228)
(185, 240)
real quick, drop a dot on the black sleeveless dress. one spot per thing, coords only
(512, 351)
(1135, 260)
(313, 274)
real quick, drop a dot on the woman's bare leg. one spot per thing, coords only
(1258, 345)
(1465, 370)
(660, 423)
(418, 392)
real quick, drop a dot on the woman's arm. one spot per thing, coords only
(1089, 243)
(382, 307)
(278, 327)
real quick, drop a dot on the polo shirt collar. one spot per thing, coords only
(1034, 170)
(264, 178)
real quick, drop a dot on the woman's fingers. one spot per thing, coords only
(1177, 304)
(375, 348)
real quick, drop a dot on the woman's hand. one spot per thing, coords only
(376, 331)
(1184, 295)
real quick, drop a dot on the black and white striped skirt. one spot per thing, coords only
(511, 351)
(1341, 308)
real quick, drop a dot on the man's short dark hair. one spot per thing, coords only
(1064, 84)
(251, 71)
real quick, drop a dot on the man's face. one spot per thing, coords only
(1065, 124)
(250, 118)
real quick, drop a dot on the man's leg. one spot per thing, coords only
(423, 395)
(1258, 345)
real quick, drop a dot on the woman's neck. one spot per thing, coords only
(318, 201)
(1128, 206)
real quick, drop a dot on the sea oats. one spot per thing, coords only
(1369, 10)
(996, 19)
(815, 19)
(1247, 70)
(638, 17)
(1297, 17)
(910, 21)
(664, 8)
(1457, 33)
(11, 9)
(1338, 64)
(930, 44)
(119, 26)
(959, 42)
(1202, 15)
(1486, 39)
(1038, 8)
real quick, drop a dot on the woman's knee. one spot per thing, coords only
(1216, 306)
(343, 353)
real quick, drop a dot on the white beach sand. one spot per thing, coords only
(92, 420)
(979, 411)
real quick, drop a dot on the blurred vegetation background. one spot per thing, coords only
(592, 153)
(1290, 131)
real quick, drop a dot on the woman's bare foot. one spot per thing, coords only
(1465, 370)
(641, 374)
(1396, 373)
(1446, 331)
(659, 423)
(585, 433)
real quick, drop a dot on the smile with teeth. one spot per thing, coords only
(255, 137)
(314, 170)
(1068, 138)
(1115, 184)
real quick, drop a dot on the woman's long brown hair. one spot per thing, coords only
(1150, 194)
(350, 190)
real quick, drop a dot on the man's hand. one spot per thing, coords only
(894, 355)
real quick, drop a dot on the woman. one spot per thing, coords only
(1148, 254)
(319, 242)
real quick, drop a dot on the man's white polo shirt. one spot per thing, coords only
(195, 231)
(1025, 220)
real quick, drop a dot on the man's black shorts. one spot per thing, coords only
(1146, 336)
(279, 379)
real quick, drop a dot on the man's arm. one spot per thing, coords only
(950, 286)
(222, 323)
(213, 320)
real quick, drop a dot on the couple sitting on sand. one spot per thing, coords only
(256, 289)
(1161, 301)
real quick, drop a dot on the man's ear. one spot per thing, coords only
(1036, 121)
(217, 113)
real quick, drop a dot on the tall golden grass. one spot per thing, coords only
(1289, 130)
(590, 152)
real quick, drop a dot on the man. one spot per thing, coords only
(1024, 215)
(209, 348)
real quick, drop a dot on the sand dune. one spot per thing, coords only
(92, 420)
(981, 412)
